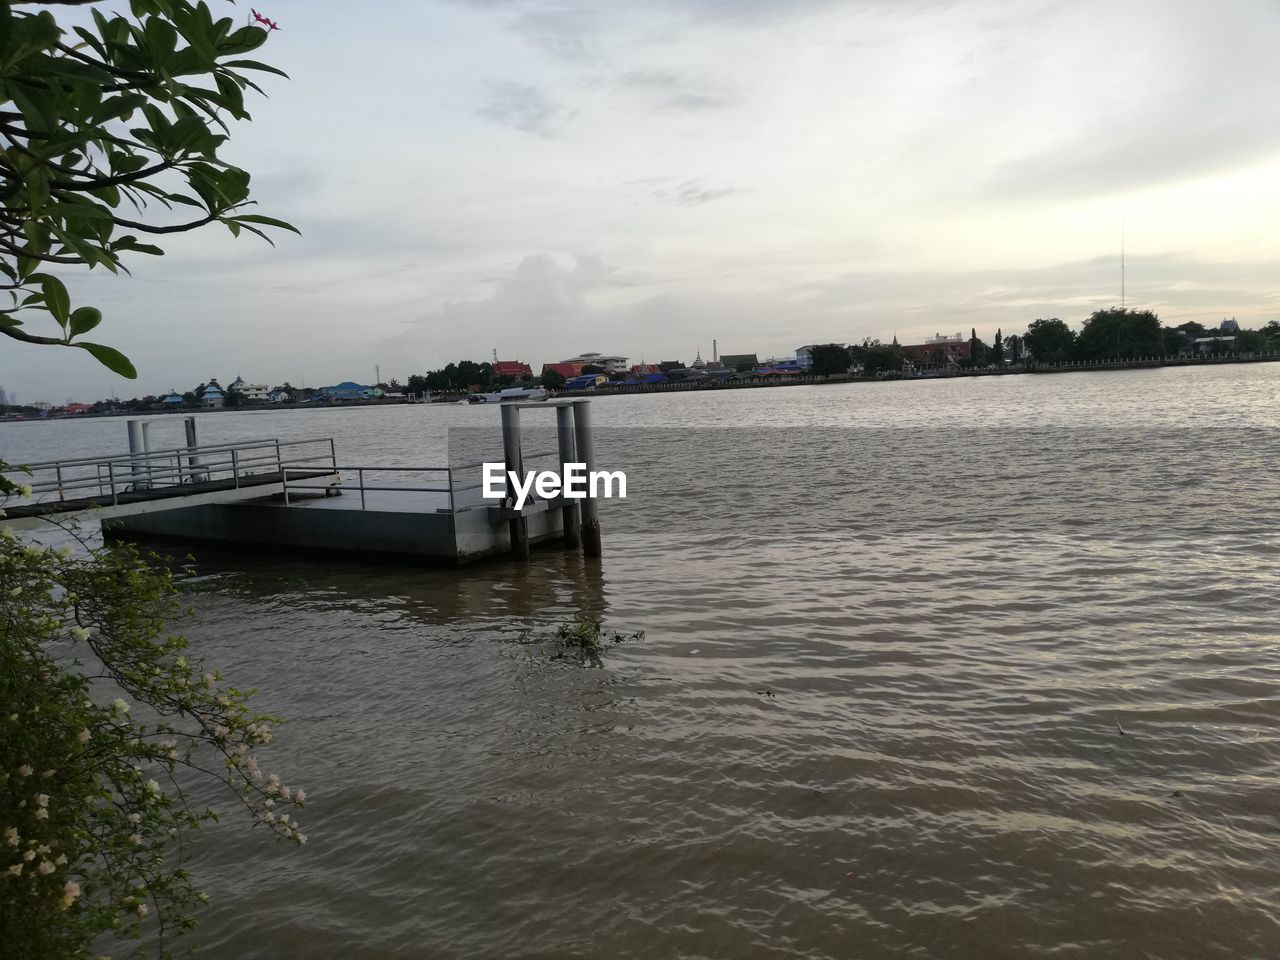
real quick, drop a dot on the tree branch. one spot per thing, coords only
(176, 228)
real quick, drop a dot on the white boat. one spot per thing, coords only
(512, 395)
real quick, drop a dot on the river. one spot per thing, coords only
(976, 668)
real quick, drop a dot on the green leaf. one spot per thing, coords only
(255, 65)
(267, 222)
(56, 300)
(84, 319)
(111, 358)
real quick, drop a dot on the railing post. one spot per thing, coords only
(449, 479)
(360, 474)
(235, 467)
(514, 459)
(61, 493)
(111, 478)
(571, 519)
(586, 452)
(135, 449)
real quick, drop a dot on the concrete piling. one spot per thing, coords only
(572, 521)
(587, 455)
(514, 458)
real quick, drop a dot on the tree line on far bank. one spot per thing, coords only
(1115, 333)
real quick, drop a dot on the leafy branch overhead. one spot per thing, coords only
(109, 135)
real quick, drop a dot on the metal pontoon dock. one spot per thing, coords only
(295, 494)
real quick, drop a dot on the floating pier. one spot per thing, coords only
(296, 495)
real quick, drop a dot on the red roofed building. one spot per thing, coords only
(77, 408)
(938, 351)
(642, 368)
(512, 368)
(566, 370)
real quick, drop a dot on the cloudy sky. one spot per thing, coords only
(547, 178)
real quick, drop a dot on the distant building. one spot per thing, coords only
(1203, 346)
(804, 355)
(566, 370)
(666, 366)
(512, 368)
(740, 361)
(250, 391)
(640, 369)
(938, 351)
(1229, 326)
(609, 364)
(588, 381)
(212, 396)
(74, 408)
(173, 398)
(279, 395)
(350, 390)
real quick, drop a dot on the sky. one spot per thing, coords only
(547, 178)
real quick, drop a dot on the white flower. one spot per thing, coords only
(11, 836)
(25, 770)
(300, 797)
(42, 814)
(119, 705)
(16, 591)
(16, 870)
(142, 910)
(302, 839)
(42, 799)
(45, 868)
(135, 839)
(153, 787)
(62, 860)
(83, 736)
(28, 855)
(207, 679)
(65, 551)
(81, 634)
(24, 489)
(70, 891)
(135, 818)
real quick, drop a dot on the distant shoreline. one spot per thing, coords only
(686, 386)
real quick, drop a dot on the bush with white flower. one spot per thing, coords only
(105, 722)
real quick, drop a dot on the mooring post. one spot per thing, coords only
(192, 443)
(514, 460)
(146, 450)
(587, 456)
(572, 522)
(135, 452)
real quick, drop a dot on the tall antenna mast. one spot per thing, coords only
(377, 374)
(1122, 297)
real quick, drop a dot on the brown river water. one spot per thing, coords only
(981, 668)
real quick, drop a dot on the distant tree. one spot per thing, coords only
(553, 379)
(1013, 348)
(1174, 340)
(997, 350)
(592, 368)
(1192, 330)
(1119, 332)
(830, 358)
(1250, 341)
(875, 357)
(233, 398)
(1049, 341)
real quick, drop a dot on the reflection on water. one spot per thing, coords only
(1022, 649)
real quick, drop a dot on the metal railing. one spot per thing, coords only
(360, 472)
(117, 474)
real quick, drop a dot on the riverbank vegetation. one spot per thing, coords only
(110, 121)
